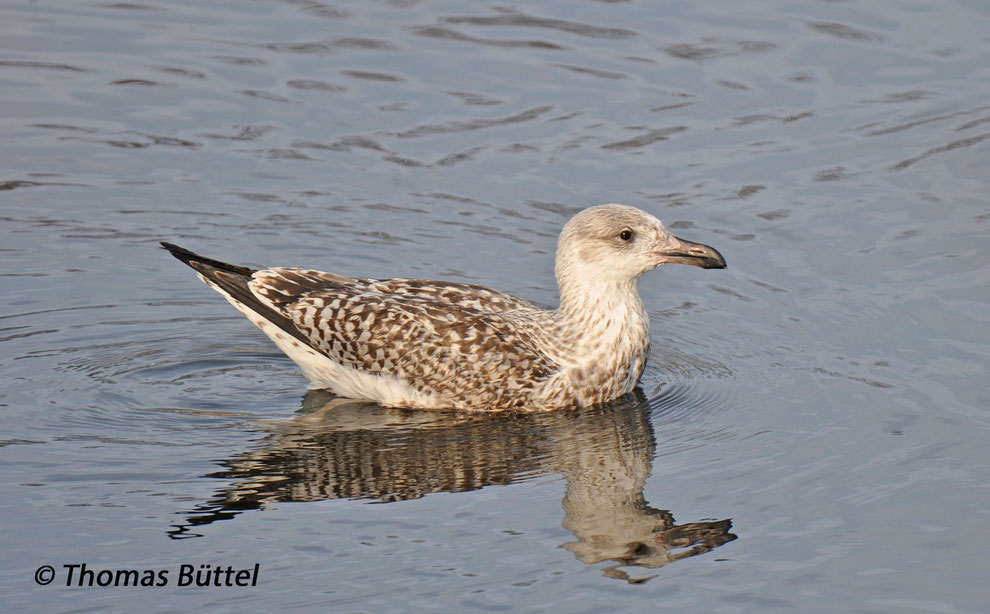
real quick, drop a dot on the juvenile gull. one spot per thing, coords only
(437, 344)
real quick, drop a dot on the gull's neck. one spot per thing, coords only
(601, 337)
(601, 313)
(588, 299)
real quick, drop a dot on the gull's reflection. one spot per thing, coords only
(339, 449)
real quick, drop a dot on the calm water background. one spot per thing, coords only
(826, 394)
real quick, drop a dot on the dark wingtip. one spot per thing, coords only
(190, 258)
(181, 253)
(232, 281)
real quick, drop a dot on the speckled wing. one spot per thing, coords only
(467, 344)
(285, 284)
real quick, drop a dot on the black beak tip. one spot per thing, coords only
(708, 257)
(715, 262)
(697, 254)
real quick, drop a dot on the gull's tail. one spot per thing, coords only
(231, 281)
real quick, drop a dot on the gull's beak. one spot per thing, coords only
(688, 252)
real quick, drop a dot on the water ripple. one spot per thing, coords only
(442, 33)
(528, 21)
(473, 124)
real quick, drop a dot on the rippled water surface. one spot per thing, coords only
(812, 431)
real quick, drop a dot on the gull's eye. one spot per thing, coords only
(626, 234)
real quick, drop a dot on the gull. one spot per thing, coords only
(414, 343)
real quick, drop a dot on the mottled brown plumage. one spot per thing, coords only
(434, 344)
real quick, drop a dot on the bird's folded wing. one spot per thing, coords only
(429, 335)
(281, 285)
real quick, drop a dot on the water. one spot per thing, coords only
(812, 429)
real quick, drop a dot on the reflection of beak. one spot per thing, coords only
(688, 252)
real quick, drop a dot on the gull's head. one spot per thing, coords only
(618, 243)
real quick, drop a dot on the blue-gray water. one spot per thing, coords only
(826, 395)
